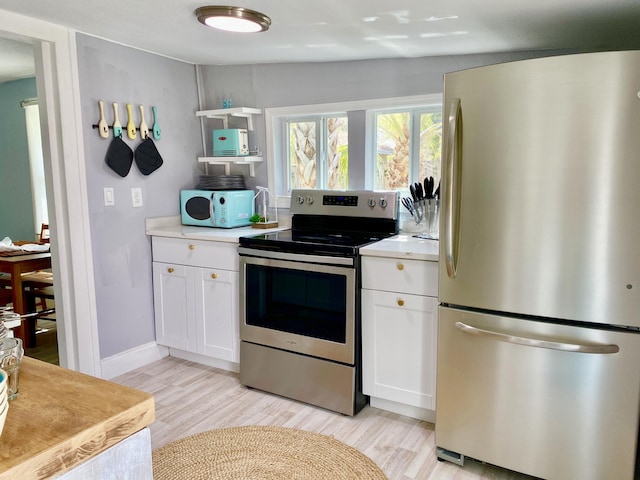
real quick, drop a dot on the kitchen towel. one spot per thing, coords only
(148, 158)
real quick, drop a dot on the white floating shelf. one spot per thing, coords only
(227, 161)
(224, 114)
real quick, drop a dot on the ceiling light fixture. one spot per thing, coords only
(233, 19)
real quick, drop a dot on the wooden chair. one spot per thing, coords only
(32, 296)
(5, 296)
(44, 234)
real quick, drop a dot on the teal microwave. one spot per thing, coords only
(216, 208)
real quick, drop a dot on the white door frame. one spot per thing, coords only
(60, 116)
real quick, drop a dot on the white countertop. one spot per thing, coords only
(398, 246)
(404, 246)
(171, 227)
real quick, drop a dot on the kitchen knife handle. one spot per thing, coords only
(451, 199)
(534, 342)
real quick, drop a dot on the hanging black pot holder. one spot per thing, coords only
(148, 159)
(119, 156)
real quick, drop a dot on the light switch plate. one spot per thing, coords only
(109, 199)
(136, 196)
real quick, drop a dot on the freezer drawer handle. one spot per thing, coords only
(532, 342)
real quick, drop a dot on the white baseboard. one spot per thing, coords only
(124, 362)
(209, 361)
(403, 409)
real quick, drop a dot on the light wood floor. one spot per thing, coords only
(192, 398)
(46, 347)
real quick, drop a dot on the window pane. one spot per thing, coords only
(302, 154)
(337, 153)
(393, 147)
(430, 144)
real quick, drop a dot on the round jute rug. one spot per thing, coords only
(262, 453)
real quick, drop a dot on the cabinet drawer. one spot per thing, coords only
(195, 253)
(417, 277)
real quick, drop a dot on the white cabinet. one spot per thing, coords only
(196, 297)
(224, 114)
(216, 303)
(399, 334)
(174, 306)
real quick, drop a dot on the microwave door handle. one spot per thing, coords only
(212, 208)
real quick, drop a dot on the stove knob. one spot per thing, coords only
(372, 202)
(309, 200)
(383, 202)
(300, 199)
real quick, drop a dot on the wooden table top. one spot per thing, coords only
(31, 262)
(24, 257)
(62, 418)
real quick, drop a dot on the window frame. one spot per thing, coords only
(276, 135)
(322, 147)
(415, 116)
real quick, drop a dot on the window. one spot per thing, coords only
(359, 145)
(407, 145)
(318, 154)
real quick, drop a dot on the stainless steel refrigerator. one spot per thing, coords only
(539, 322)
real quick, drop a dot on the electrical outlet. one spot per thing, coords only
(109, 199)
(136, 196)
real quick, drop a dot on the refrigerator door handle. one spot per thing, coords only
(532, 342)
(452, 190)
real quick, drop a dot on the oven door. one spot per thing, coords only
(300, 307)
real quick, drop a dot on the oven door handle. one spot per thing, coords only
(293, 257)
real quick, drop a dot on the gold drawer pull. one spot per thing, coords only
(170, 270)
(192, 246)
(214, 275)
(400, 266)
(400, 302)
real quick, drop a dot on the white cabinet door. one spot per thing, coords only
(174, 306)
(217, 314)
(399, 347)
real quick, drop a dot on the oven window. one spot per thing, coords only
(297, 301)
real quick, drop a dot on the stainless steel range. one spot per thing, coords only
(300, 297)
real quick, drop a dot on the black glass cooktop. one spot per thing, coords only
(311, 243)
(324, 235)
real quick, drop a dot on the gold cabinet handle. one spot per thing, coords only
(400, 302)
(192, 246)
(170, 270)
(400, 266)
(214, 275)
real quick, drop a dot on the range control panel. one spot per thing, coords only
(351, 203)
(344, 200)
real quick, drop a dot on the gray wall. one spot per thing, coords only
(121, 250)
(278, 85)
(16, 204)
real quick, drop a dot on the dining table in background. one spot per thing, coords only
(16, 265)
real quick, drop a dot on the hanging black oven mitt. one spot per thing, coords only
(119, 156)
(148, 159)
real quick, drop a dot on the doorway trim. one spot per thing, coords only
(60, 117)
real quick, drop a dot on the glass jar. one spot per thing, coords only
(11, 353)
